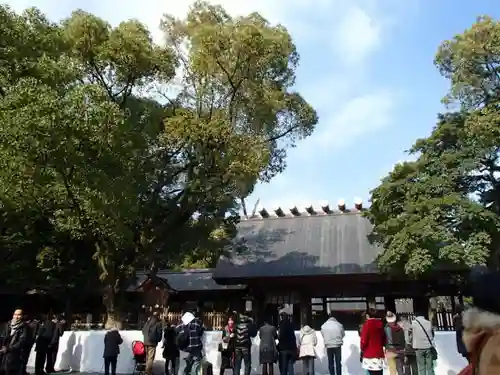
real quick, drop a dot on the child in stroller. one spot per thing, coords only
(139, 353)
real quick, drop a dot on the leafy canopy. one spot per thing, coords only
(443, 209)
(109, 163)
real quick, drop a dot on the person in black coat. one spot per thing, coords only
(32, 326)
(268, 351)
(170, 351)
(46, 344)
(112, 342)
(287, 345)
(54, 331)
(459, 330)
(14, 345)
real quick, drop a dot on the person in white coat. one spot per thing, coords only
(307, 353)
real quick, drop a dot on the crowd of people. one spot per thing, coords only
(404, 347)
(18, 337)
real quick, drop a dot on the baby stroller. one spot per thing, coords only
(139, 353)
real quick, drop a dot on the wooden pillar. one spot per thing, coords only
(371, 303)
(305, 309)
(433, 305)
(390, 304)
(200, 307)
(325, 309)
(259, 307)
(453, 304)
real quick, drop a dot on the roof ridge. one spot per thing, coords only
(186, 270)
(180, 272)
(304, 215)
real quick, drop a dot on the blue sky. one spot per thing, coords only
(366, 66)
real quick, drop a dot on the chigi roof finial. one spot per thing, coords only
(294, 211)
(279, 212)
(307, 209)
(341, 205)
(358, 204)
(325, 206)
(262, 211)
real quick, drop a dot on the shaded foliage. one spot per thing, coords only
(103, 170)
(442, 210)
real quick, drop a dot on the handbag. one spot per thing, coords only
(434, 353)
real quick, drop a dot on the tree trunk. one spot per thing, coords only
(433, 308)
(114, 317)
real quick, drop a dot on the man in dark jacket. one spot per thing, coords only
(45, 346)
(112, 342)
(245, 331)
(56, 328)
(287, 345)
(42, 341)
(32, 326)
(152, 332)
(14, 345)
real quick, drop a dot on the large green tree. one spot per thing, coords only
(108, 163)
(443, 210)
(241, 69)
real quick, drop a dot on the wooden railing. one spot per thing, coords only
(217, 320)
(443, 320)
(211, 320)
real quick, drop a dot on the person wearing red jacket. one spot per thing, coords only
(372, 344)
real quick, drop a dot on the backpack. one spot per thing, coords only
(182, 338)
(398, 338)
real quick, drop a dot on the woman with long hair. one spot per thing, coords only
(372, 344)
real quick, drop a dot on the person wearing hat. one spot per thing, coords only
(481, 323)
(395, 345)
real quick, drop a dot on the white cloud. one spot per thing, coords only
(355, 30)
(357, 36)
(345, 31)
(359, 116)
